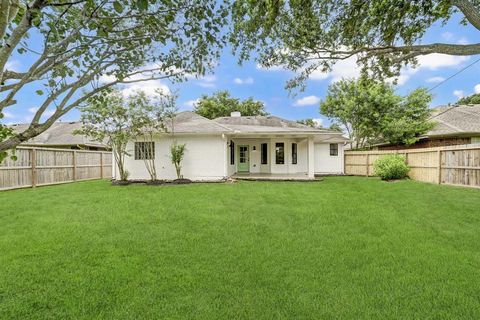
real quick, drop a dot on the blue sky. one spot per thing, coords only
(268, 86)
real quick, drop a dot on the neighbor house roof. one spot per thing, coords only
(59, 134)
(267, 124)
(455, 120)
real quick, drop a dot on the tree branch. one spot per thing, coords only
(471, 12)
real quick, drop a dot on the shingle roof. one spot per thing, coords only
(452, 120)
(59, 134)
(190, 122)
(264, 124)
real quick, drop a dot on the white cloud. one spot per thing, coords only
(272, 68)
(33, 109)
(435, 61)
(463, 41)
(435, 79)
(207, 81)
(318, 122)
(347, 68)
(241, 81)
(12, 65)
(307, 101)
(149, 87)
(477, 88)
(7, 115)
(459, 93)
(190, 104)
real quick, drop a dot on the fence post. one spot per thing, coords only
(367, 162)
(101, 164)
(439, 177)
(74, 160)
(34, 167)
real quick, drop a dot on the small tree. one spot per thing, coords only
(177, 152)
(150, 115)
(108, 119)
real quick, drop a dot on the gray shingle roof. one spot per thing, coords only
(265, 124)
(453, 120)
(59, 134)
(190, 122)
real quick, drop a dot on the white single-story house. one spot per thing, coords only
(240, 146)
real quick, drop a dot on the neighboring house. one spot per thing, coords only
(61, 135)
(262, 146)
(454, 125)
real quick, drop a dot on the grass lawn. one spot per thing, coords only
(343, 248)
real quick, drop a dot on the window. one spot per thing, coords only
(144, 150)
(333, 149)
(279, 153)
(232, 152)
(294, 153)
(264, 153)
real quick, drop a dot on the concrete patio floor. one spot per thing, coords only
(272, 176)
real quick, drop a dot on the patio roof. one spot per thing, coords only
(251, 125)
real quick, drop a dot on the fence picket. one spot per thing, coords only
(46, 166)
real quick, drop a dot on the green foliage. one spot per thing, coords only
(309, 122)
(471, 99)
(177, 152)
(370, 111)
(221, 104)
(150, 115)
(391, 167)
(305, 36)
(5, 132)
(108, 118)
(88, 46)
(335, 127)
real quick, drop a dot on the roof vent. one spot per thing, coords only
(235, 114)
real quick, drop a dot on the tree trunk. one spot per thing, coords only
(178, 168)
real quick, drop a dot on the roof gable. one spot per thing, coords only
(456, 120)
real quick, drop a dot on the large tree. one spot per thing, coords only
(471, 99)
(305, 36)
(310, 122)
(221, 104)
(370, 111)
(72, 50)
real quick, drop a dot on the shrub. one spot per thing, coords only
(391, 167)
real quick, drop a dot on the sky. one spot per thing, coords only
(268, 85)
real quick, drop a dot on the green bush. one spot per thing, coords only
(391, 167)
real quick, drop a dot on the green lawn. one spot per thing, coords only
(342, 248)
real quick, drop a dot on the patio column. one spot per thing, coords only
(311, 158)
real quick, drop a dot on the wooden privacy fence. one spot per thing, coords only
(456, 165)
(46, 166)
